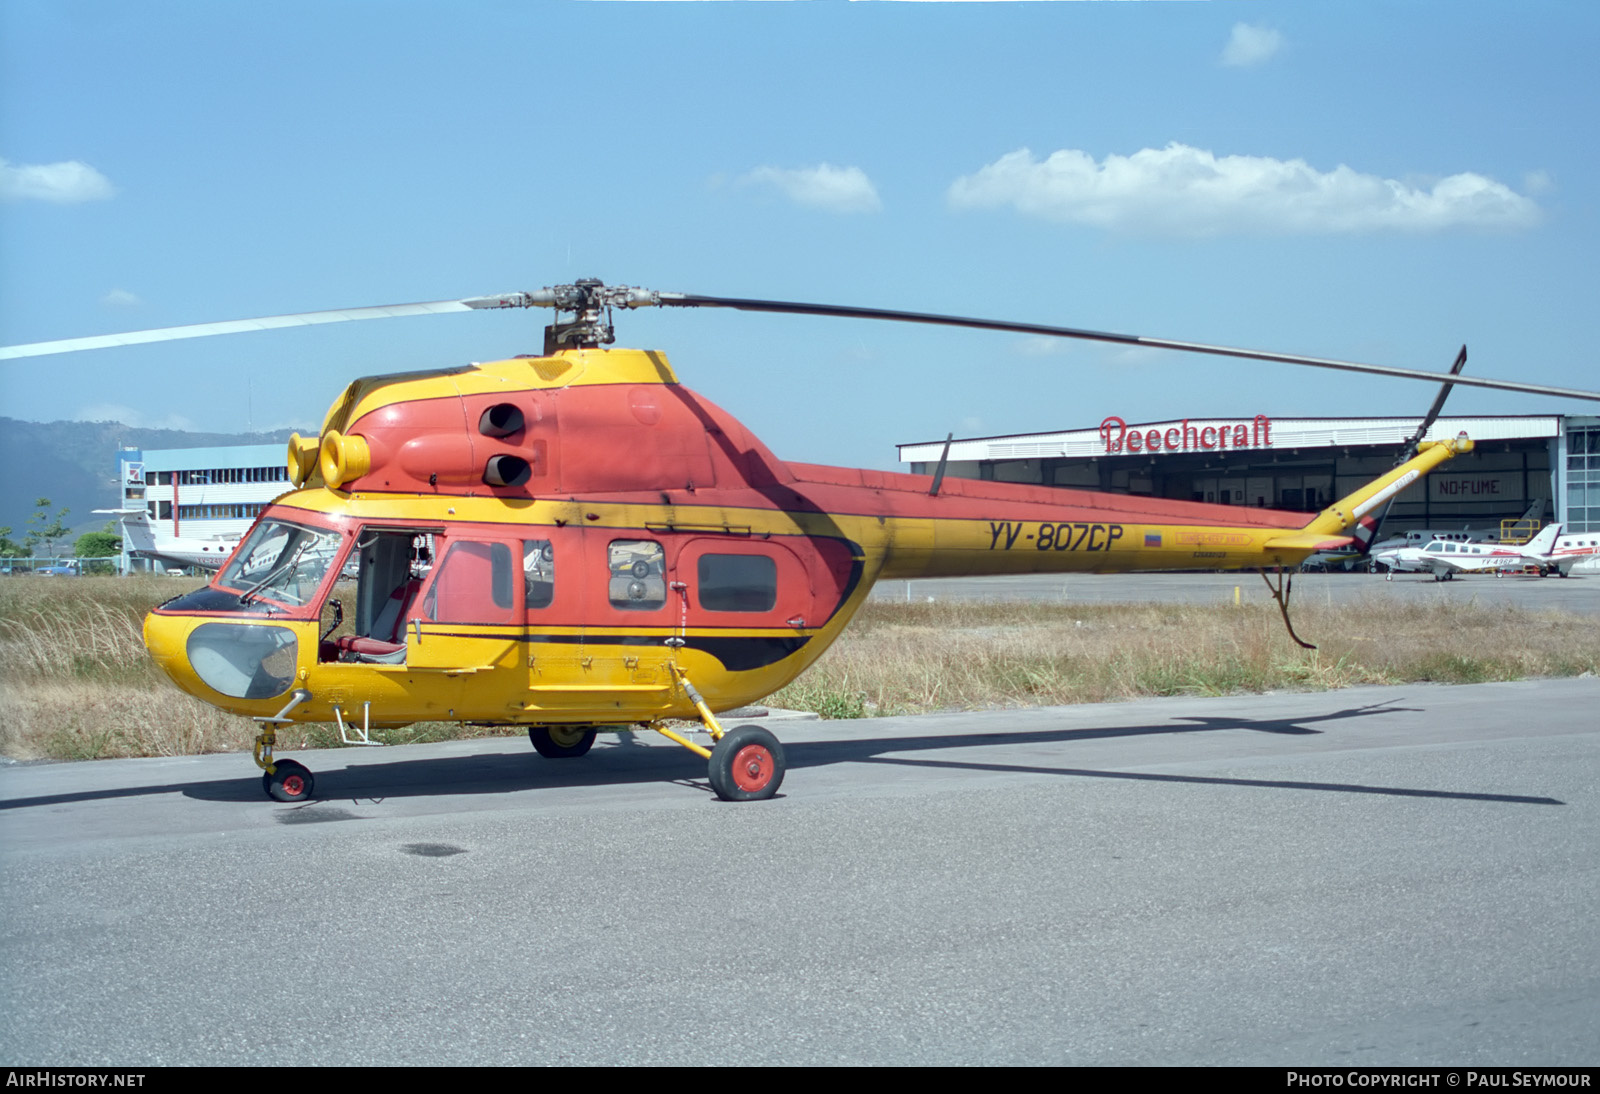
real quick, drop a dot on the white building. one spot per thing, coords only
(183, 505)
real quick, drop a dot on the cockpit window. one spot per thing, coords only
(282, 562)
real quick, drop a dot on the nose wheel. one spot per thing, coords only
(289, 782)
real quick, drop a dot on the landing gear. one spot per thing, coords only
(290, 782)
(561, 742)
(746, 765)
(283, 780)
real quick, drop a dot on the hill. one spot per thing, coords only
(74, 464)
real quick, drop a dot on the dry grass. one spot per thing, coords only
(75, 682)
(913, 658)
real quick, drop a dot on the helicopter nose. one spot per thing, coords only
(165, 637)
(222, 660)
(162, 638)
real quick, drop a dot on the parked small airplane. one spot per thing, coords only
(143, 541)
(1524, 527)
(1444, 558)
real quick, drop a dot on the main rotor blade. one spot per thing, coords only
(269, 322)
(690, 300)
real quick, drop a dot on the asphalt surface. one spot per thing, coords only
(1397, 875)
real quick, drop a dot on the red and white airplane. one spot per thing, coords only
(1571, 549)
(1549, 552)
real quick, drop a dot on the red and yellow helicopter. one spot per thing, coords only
(575, 542)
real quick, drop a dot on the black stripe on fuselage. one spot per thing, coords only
(737, 654)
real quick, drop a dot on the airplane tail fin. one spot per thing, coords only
(1545, 542)
(1351, 511)
(1365, 531)
(138, 536)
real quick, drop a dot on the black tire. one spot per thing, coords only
(291, 782)
(561, 742)
(746, 765)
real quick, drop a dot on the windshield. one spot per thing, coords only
(283, 562)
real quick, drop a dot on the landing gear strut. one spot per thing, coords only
(745, 764)
(283, 780)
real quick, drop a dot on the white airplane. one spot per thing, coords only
(143, 541)
(1569, 550)
(1421, 537)
(1444, 558)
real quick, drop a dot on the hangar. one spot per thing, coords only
(1304, 464)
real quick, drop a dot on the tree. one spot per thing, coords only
(97, 545)
(44, 530)
(10, 548)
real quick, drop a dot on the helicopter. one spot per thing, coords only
(576, 543)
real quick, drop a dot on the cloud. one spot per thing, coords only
(63, 183)
(1249, 46)
(1538, 182)
(1041, 345)
(835, 189)
(120, 298)
(1183, 191)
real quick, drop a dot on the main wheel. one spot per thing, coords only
(561, 742)
(746, 765)
(291, 782)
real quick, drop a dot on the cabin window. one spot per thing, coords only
(473, 585)
(538, 572)
(637, 580)
(737, 583)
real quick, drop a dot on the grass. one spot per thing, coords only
(914, 658)
(76, 683)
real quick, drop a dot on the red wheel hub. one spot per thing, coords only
(295, 785)
(752, 768)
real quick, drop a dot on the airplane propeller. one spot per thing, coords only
(591, 303)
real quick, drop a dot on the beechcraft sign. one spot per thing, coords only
(1186, 436)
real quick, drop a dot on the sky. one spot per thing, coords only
(1372, 181)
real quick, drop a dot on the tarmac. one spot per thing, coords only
(1391, 875)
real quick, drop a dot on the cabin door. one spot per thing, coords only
(468, 618)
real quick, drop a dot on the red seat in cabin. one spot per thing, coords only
(387, 642)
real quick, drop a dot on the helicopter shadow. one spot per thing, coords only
(890, 751)
(625, 762)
